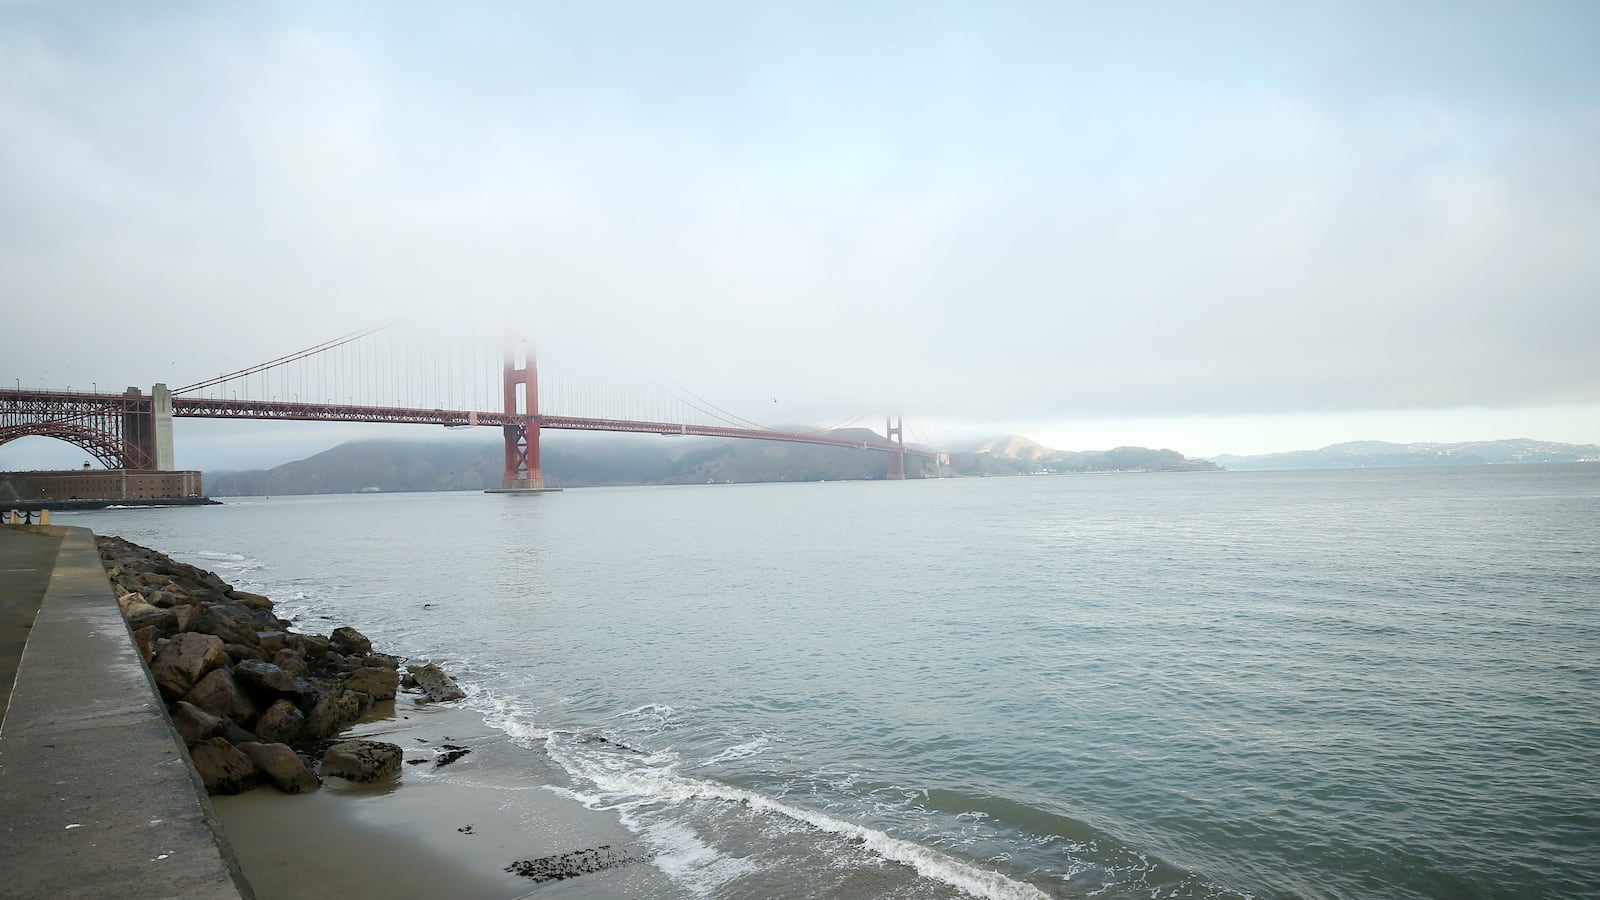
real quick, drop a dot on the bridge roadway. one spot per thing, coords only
(203, 408)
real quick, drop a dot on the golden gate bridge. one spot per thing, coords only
(375, 371)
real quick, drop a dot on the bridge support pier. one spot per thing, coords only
(893, 430)
(522, 475)
(161, 428)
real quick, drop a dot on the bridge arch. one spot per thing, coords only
(103, 446)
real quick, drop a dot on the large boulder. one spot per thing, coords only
(143, 615)
(181, 662)
(219, 692)
(253, 601)
(267, 681)
(187, 617)
(193, 723)
(164, 599)
(350, 642)
(314, 646)
(223, 768)
(242, 652)
(435, 683)
(383, 660)
(291, 661)
(233, 734)
(334, 712)
(282, 767)
(145, 640)
(282, 723)
(364, 761)
(374, 681)
(234, 626)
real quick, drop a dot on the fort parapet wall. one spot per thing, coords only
(99, 484)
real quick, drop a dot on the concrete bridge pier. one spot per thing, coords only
(150, 433)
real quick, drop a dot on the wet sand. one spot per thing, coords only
(447, 831)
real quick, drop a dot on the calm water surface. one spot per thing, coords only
(1328, 684)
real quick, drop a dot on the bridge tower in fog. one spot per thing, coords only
(522, 428)
(892, 429)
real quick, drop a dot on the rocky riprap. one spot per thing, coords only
(254, 701)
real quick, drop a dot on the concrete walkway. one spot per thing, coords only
(27, 557)
(97, 797)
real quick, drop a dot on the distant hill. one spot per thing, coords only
(1380, 454)
(1013, 446)
(394, 465)
(1015, 455)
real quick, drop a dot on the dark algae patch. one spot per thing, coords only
(562, 866)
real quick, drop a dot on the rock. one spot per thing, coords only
(161, 599)
(254, 601)
(128, 599)
(271, 641)
(374, 681)
(282, 723)
(183, 660)
(313, 646)
(266, 621)
(290, 661)
(333, 713)
(363, 761)
(281, 767)
(193, 723)
(350, 642)
(435, 683)
(223, 768)
(219, 693)
(265, 680)
(186, 616)
(242, 652)
(145, 639)
(143, 615)
(235, 735)
(233, 626)
(383, 660)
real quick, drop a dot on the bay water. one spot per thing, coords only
(1295, 684)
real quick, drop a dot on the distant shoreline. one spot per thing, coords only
(59, 505)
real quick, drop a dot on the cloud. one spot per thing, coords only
(1007, 217)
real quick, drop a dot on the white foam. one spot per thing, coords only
(739, 751)
(659, 712)
(683, 857)
(657, 784)
(503, 714)
(631, 786)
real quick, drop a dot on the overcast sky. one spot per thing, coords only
(1212, 227)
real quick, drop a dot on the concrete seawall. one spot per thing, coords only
(97, 797)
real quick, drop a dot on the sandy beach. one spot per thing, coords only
(437, 831)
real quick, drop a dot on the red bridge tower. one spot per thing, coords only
(522, 439)
(892, 429)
